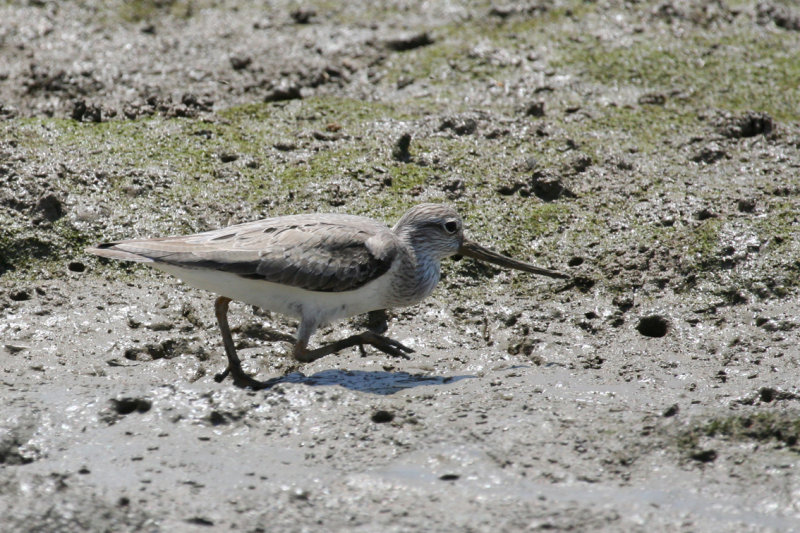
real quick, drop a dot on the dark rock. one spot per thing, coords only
(166, 350)
(580, 163)
(7, 111)
(19, 295)
(283, 92)
(510, 187)
(328, 137)
(620, 162)
(593, 362)
(285, 146)
(125, 406)
(496, 133)
(200, 521)
(535, 109)
(217, 419)
(652, 99)
(502, 11)
(400, 150)
(780, 15)
(773, 325)
(767, 394)
(83, 112)
(548, 187)
(454, 188)
(541, 184)
(404, 81)
(746, 205)
(709, 154)
(704, 456)
(303, 15)
(624, 303)
(672, 410)
(193, 101)
(749, 124)
(49, 207)
(405, 42)
(519, 8)
(12, 446)
(240, 62)
(704, 214)
(465, 126)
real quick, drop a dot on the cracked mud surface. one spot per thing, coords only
(652, 148)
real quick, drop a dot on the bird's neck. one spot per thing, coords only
(422, 268)
(423, 254)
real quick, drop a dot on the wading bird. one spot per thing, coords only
(318, 268)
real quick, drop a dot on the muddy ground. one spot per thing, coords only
(651, 148)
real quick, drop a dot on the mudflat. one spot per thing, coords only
(650, 148)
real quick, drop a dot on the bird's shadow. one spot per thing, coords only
(375, 382)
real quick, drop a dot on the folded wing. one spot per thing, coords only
(329, 253)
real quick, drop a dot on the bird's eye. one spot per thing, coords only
(450, 227)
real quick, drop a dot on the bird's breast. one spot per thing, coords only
(410, 284)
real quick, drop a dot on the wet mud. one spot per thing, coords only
(649, 149)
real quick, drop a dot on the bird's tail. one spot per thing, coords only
(110, 250)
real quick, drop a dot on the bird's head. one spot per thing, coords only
(433, 228)
(438, 230)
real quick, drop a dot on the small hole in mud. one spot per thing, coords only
(76, 266)
(575, 261)
(449, 477)
(653, 326)
(382, 417)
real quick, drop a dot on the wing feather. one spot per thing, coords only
(328, 253)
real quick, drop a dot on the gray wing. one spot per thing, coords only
(329, 253)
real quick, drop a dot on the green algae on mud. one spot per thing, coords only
(143, 10)
(767, 427)
(754, 69)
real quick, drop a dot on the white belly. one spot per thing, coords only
(325, 307)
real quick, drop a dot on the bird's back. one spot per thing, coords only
(316, 252)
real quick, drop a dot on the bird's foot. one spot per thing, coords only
(384, 344)
(244, 381)
(219, 378)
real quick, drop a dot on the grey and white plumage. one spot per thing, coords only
(316, 267)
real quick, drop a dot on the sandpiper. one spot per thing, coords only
(318, 268)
